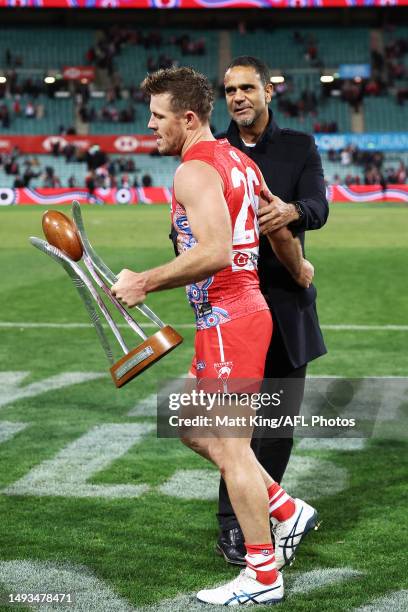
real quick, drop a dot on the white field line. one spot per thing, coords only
(340, 327)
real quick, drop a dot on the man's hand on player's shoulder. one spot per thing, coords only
(130, 288)
(274, 213)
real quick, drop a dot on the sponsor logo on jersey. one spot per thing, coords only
(223, 369)
(200, 365)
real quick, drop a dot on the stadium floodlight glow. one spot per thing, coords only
(277, 79)
(68, 244)
(3, 79)
(327, 78)
(49, 80)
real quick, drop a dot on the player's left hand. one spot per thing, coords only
(274, 213)
(130, 288)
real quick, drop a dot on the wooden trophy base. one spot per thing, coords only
(145, 355)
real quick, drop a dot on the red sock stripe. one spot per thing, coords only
(274, 488)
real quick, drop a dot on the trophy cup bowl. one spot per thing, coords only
(68, 244)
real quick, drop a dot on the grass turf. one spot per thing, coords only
(360, 259)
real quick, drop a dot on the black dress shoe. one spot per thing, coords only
(230, 545)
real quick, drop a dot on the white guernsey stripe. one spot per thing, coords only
(220, 343)
(56, 325)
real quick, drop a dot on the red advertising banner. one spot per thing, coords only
(162, 195)
(57, 197)
(78, 73)
(110, 144)
(198, 4)
(367, 193)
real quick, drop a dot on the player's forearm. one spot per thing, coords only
(191, 266)
(287, 249)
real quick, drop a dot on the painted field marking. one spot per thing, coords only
(8, 429)
(332, 444)
(192, 484)
(88, 591)
(91, 593)
(306, 582)
(396, 601)
(146, 407)
(305, 477)
(328, 326)
(311, 478)
(299, 584)
(11, 389)
(67, 473)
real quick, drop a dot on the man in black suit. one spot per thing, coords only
(292, 169)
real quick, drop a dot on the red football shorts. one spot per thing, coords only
(236, 349)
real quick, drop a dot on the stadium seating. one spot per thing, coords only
(383, 114)
(44, 47)
(162, 169)
(279, 49)
(132, 61)
(56, 112)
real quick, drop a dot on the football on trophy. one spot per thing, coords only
(61, 232)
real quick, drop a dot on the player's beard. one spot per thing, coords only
(169, 147)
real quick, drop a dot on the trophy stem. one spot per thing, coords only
(70, 265)
(131, 322)
(100, 265)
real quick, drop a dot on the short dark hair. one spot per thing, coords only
(189, 90)
(253, 62)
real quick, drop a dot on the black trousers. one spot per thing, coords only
(272, 453)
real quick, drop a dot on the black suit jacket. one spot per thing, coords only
(292, 169)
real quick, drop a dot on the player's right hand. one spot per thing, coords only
(306, 274)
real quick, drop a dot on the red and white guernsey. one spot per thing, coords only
(234, 291)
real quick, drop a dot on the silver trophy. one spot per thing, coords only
(68, 244)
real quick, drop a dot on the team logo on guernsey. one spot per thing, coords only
(200, 365)
(223, 369)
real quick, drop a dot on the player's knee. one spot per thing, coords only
(224, 453)
(198, 445)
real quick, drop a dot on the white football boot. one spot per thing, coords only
(244, 589)
(289, 534)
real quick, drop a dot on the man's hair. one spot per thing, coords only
(253, 62)
(189, 90)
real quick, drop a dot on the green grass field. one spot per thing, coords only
(92, 503)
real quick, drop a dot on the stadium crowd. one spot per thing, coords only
(374, 167)
(19, 94)
(103, 171)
